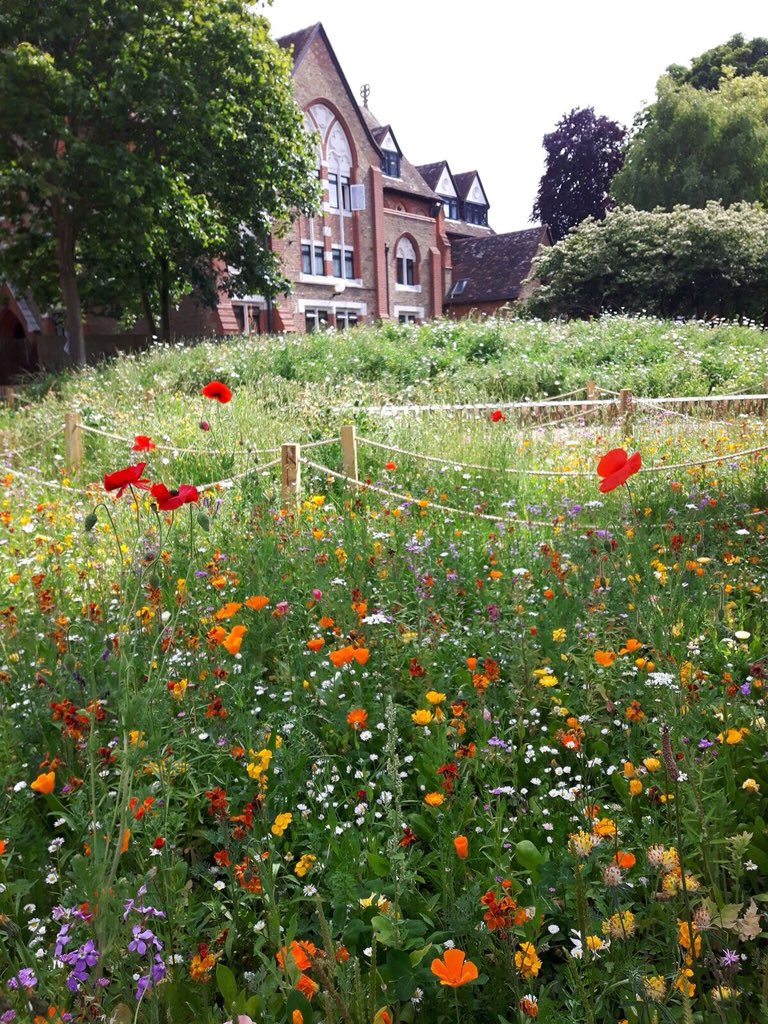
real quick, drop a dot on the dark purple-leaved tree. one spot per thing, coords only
(583, 154)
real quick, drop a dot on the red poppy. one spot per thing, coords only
(616, 467)
(167, 500)
(142, 443)
(497, 416)
(128, 477)
(217, 391)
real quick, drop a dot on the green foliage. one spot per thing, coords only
(136, 140)
(739, 56)
(709, 263)
(694, 145)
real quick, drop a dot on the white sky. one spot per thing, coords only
(479, 83)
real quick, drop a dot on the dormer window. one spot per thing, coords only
(474, 213)
(451, 207)
(390, 163)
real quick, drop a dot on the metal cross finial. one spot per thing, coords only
(365, 92)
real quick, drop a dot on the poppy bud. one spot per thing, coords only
(461, 846)
(205, 425)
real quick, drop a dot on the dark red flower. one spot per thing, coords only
(167, 500)
(128, 477)
(142, 443)
(616, 467)
(217, 391)
(497, 416)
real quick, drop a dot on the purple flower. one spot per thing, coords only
(493, 613)
(745, 689)
(704, 743)
(8, 1017)
(730, 958)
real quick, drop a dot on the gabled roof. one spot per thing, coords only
(300, 42)
(380, 134)
(410, 181)
(464, 182)
(432, 173)
(494, 267)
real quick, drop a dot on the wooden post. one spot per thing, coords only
(625, 410)
(349, 451)
(765, 385)
(290, 472)
(73, 441)
(591, 390)
(8, 394)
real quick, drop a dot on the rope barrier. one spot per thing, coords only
(426, 503)
(566, 472)
(48, 483)
(682, 415)
(35, 444)
(239, 476)
(202, 451)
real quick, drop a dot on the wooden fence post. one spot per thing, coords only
(73, 441)
(290, 472)
(349, 451)
(591, 390)
(8, 394)
(625, 410)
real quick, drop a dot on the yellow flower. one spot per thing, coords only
(434, 697)
(281, 823)
(682, 984)
(434, 799)
(527, 961)
(547, 680)
(581, 843)
(750, 785)
(595, 944)
(619, 926)
(654, 987)
(652, 763)
(605, 828)
(422, 717)
(305, 864)
(136, 738)
(635, 787)
(381, 902)
(559, 635)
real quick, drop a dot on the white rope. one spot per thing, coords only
(470, 465)
(239, 476)
(35, 444)
(729, 457)
(564, 394)
(161, 447)
(49, 483)
(682, 415)
(426, 503)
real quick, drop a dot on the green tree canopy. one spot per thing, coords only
(146, 147)
(693, 145)
(699, 263)
(739, 56)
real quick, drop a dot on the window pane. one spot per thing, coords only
(400, 270)
(319, 261)
(337, 262)
(409, 271)
(345, 194)
(310, 318)
(306, 265)
(349, 270)
(240, 317)
(333, 190)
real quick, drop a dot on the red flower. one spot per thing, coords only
(497, 416)
(167, 500)
(616, 467)
(218, 391)
(128, 477)
(142, 443)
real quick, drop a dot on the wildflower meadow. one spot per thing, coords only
(479, 736)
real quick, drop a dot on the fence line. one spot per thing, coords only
(35, 444)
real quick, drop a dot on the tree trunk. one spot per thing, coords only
(165, 301)
(146, 306)
(65, 252)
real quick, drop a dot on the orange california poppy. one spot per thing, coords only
(257, 603)
(624, 860)
(605, 658)
(315, 643)
(454, 969)
(306, 986)
(233, 639)
(471, 664)
(230, 608)
(44, 783)
(360, 654)
(461, 846)
(357, 718)
(341, 657)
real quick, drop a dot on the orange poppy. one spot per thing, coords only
(341, 657)
(315, 643)
(44, 783)
(357, 718)
(233, 639)
(326, 622)
(605, 658)
(624, 860)
(454, 969)
(3, 846)
(230, 608)
(471, 664)
(257, 603)
(360, 654)
(461, 846)
(306, 986)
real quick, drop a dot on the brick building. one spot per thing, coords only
(383, 246)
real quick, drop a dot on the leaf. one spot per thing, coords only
(378, 864)
(528, 855)
(226, 983)
(383, 930)
(298, 1001)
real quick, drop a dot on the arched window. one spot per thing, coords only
(405, 255)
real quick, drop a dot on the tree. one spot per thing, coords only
(583, 154)
(146, 147)
(700, 263)
(694, 145)
(738, 57)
